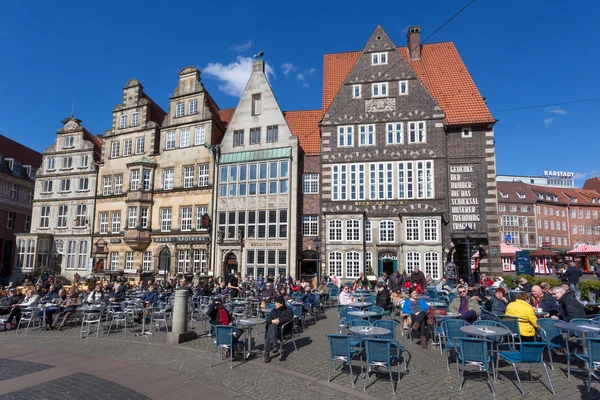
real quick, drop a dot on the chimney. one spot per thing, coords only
(414, 42)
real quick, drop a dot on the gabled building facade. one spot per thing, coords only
(517, 215)
(408, 161)
(256, 207)
(63, 206)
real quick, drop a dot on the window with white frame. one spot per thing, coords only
(502, 208)
(272, 133)
(168, 176)
(310, 225)
(21, 249)
(357, 182)
(368, 231)
(335, 263)
(379, 58)
(432, 264)
(203, 175)
(188, 176)
(574, 229)
(255, 135)
(185, 218)
(116, 222)
(127, 147)
(379, 89)
(115, 149)
(512, 220)
(45, 217)
(412, 230)
(140, 144)
(51, 162)
(466, 133)
(199, 262)
(134, 184)
(514, 209)
(80, 215)
(417, 132)
(67, 162)
(545, 224)
(123, 120)
(524, 222)
(581, 229)
(147, 261)
(238, 137)
(69, 141)
(147, 179)
(352, 264)
(339, 180)
(387, 231)
(143, 217)
(103, 219)
(256, 104)
(200, 211)
(366, 135)
(356, 91)
(14, 191)
(179, 110)
(523, 208)
(353, 230)
(71, 254)
(580, 214)
(184, 138)
(118, 184)
(430, 230)
(65, 185)
(193, 107)
(132, 218)
(83, 257)
(62, 216)
(310, 183)
(129, 260)
(106, 185)
(345, 136)
(381, 181)
(514, 237)
(170, 140)
(47, 186)
(413, 260)
(200, 136)
(403, 88)
(368, 259)
(84, 161)
(552, 225)
(114, 260)
(335, 230)
(395, 132)
(165, 219)
(135, 118)
(588, 214)
(10, 220)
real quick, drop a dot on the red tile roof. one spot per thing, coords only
(226, 115)
(441, 70)
(23, 154)
(305, 125)
(592, 183)
(513, 189)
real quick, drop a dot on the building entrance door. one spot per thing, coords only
(388, 266)
(231, 265)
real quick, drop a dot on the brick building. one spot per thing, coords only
(516, 213)
(408, 161)
(18, 167)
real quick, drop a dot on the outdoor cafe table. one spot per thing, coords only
(143, 309)
(369, 330)
(360, 304)
(484, 330)
(583, 329)
(451, 315)
(249, 323)
(362, 314)
(435, 303)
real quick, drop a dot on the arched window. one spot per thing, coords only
(413, 259)
(432, 264)
(387, 231)
(335, 230)
(353, 230)
(335, 263)
(352, 264)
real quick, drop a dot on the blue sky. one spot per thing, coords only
(520, 53)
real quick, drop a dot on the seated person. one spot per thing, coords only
(467, 307)
(475, 293)
(117, 295)
(295, 287)
(323, 290)
(8, 301)
(522, 309)
(66, 308)
(345, 297)
(283, 293)
(382, 299)
(60, 298)
(570, 307)
(279, 316)
(497, 302)
(268, 294)
(498, 281)
(524, 285)
(417, 309)
(397, 296)
(219, 315)
(443, 286)
(486, 281)
(545, 301)
(96, 296)
(308, 299)
(31, 299)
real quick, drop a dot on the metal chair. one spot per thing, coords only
(159, 316)
(512, 323)
(529, 353)
(451, 330)
(90, 318)
(340, 350)
(288, 334)
(118, 318)
(552, 336)
(334, 292)
(344, 318)
(474, 351)
(379, 354)
(391, 325)
(379, 310)
(433, 294)
(27, 315)
(224, 340)
(592, 358)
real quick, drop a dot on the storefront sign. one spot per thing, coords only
(388, 256)
(380, 203)
(266, 244)
(130, 271)
(522, 263)
(179, 239)
(464, 202)
(559, 174)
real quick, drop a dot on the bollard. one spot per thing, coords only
(180, 333)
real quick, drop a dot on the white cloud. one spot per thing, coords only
(234, 75)
(580, 175)
(548, 121)
(239, 48)
(310, 71)
(556, 110)
(300, 76)
(288, 67)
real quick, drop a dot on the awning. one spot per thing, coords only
(542, 253)
(585, 249)
(246, 156)
(508, 250)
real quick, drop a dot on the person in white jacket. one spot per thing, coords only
(96, 295)
(30, 300)
(345, 297)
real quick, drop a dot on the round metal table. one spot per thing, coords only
(362, 314)
(485, 331)
(369, 330)
(360, 304)
(249, 323)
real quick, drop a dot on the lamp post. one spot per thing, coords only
(166, 258)
(317, 243)
(468, 230)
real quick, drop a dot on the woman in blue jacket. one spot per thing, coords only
(417, 309)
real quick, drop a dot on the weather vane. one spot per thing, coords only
(259, 55)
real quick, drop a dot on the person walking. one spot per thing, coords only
(572, 274)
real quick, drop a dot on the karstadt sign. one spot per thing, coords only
(559, 174)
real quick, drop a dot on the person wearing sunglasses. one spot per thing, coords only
(466, 306)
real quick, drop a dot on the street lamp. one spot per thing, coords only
(165, 256)
(317, 243)
(468, 230)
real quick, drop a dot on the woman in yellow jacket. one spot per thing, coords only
(522, 309)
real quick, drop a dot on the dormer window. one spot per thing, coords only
(504, 196)
(10, 162)
(521, 196)
(555, 198)
(378, 58)
(69, 141)
(179, 110)
(541, 196)
(379, 89)
(256, 104)
(27, 170)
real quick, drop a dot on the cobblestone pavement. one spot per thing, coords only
(305, 371)
(76, 386)
(13, 368)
